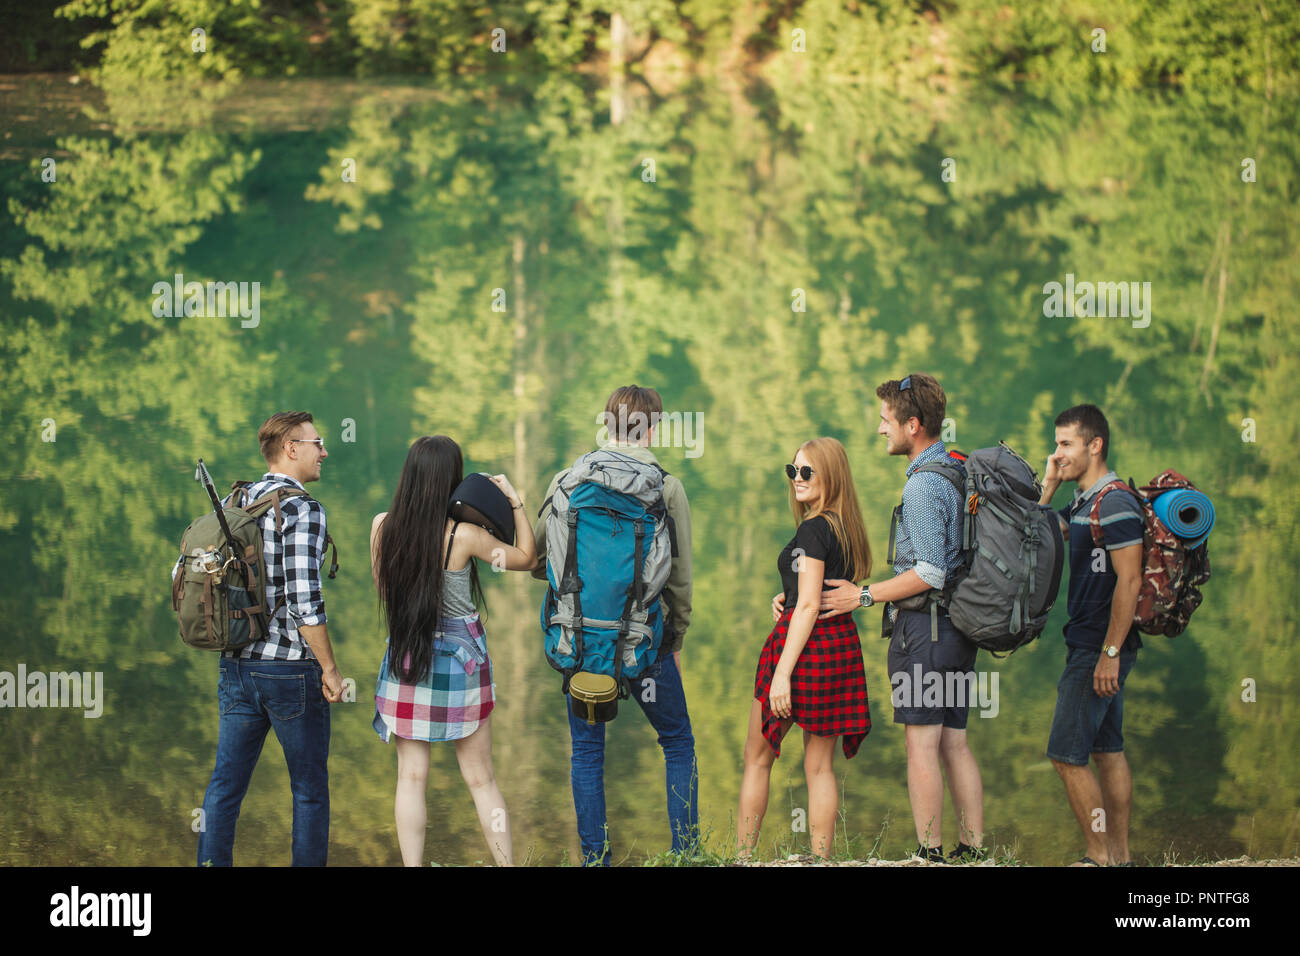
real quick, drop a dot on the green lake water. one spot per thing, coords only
(628, 237)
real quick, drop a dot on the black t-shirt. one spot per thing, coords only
(815, 539)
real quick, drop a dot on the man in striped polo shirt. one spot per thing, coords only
(1101, 638)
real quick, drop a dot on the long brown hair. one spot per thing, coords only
(839, 503)
(410, 549)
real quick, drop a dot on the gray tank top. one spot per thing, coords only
(457, 593)
(457, 598)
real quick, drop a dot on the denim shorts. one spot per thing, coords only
(1085, 723)
(912, 655)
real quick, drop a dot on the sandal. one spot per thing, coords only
(1086, 861)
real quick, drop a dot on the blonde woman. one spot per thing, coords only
(810, 671)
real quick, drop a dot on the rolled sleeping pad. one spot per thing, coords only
(1187, 513)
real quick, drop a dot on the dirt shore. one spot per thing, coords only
(806, 860)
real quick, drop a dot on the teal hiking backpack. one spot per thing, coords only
(609, 546)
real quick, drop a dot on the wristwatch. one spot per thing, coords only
(866, 600)
(1111, 650)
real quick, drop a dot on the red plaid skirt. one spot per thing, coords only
(828, 688)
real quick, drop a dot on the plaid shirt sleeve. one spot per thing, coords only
(304, 552)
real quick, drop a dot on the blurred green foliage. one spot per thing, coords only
(376, 307)
(1196, 43)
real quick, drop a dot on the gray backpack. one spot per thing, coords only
(1012, 550)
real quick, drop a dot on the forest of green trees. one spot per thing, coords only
(376, 308)
(1195, 43)
(376, 302)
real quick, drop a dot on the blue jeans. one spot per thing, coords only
(255, 696)
(1083, 722)
(666, 712)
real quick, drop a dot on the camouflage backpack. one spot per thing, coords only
(1172, 573)
(219, 593)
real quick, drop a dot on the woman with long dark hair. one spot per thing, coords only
(435, 682)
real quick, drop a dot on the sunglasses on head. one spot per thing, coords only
(805, 472)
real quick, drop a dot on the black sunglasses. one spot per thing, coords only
(805, 472)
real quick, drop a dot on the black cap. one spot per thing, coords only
(479, 501)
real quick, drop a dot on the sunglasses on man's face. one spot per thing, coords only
(805, 472)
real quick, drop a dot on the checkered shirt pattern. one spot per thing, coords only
(828, 687)
(293, 562)
(454, 697)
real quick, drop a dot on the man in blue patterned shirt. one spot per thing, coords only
(925, 650)
(286, 681)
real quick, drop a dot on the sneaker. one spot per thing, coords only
(968, 854)
(932, 854)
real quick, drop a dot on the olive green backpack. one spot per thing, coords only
(219, 593)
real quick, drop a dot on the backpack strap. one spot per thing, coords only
(334, 555)
(1094, 513)
(954, 475)
(239, 494)
(275, 496)
(893, 533)
(206, 602)
(638, 566)
(570, 583)
(450, 541)
(282, 493)
(635, 596)
(668, 519)
(559, 482)
(957, 478)
(967, 503)
(178, 585)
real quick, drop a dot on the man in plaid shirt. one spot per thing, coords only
(287, 680)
